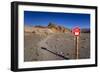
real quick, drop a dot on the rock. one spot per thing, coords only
(57, 28)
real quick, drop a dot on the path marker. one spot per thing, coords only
(76, 32)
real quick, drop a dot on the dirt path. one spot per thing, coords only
(57, 43)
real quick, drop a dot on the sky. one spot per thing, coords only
(68, 20)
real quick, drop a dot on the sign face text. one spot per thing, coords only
(76, 31)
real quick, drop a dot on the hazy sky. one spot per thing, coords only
(68, 20)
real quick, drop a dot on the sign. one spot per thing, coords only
(76, 31)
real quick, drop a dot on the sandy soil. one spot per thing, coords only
(60, 43)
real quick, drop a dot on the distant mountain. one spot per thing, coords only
(85, 30)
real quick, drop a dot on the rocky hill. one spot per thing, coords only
(57, 28)
(51, 28)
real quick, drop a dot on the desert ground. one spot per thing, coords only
(54, 46)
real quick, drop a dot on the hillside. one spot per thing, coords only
(51, 28)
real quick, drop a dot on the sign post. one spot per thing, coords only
(76, 32)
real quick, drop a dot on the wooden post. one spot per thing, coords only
(77, 47)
